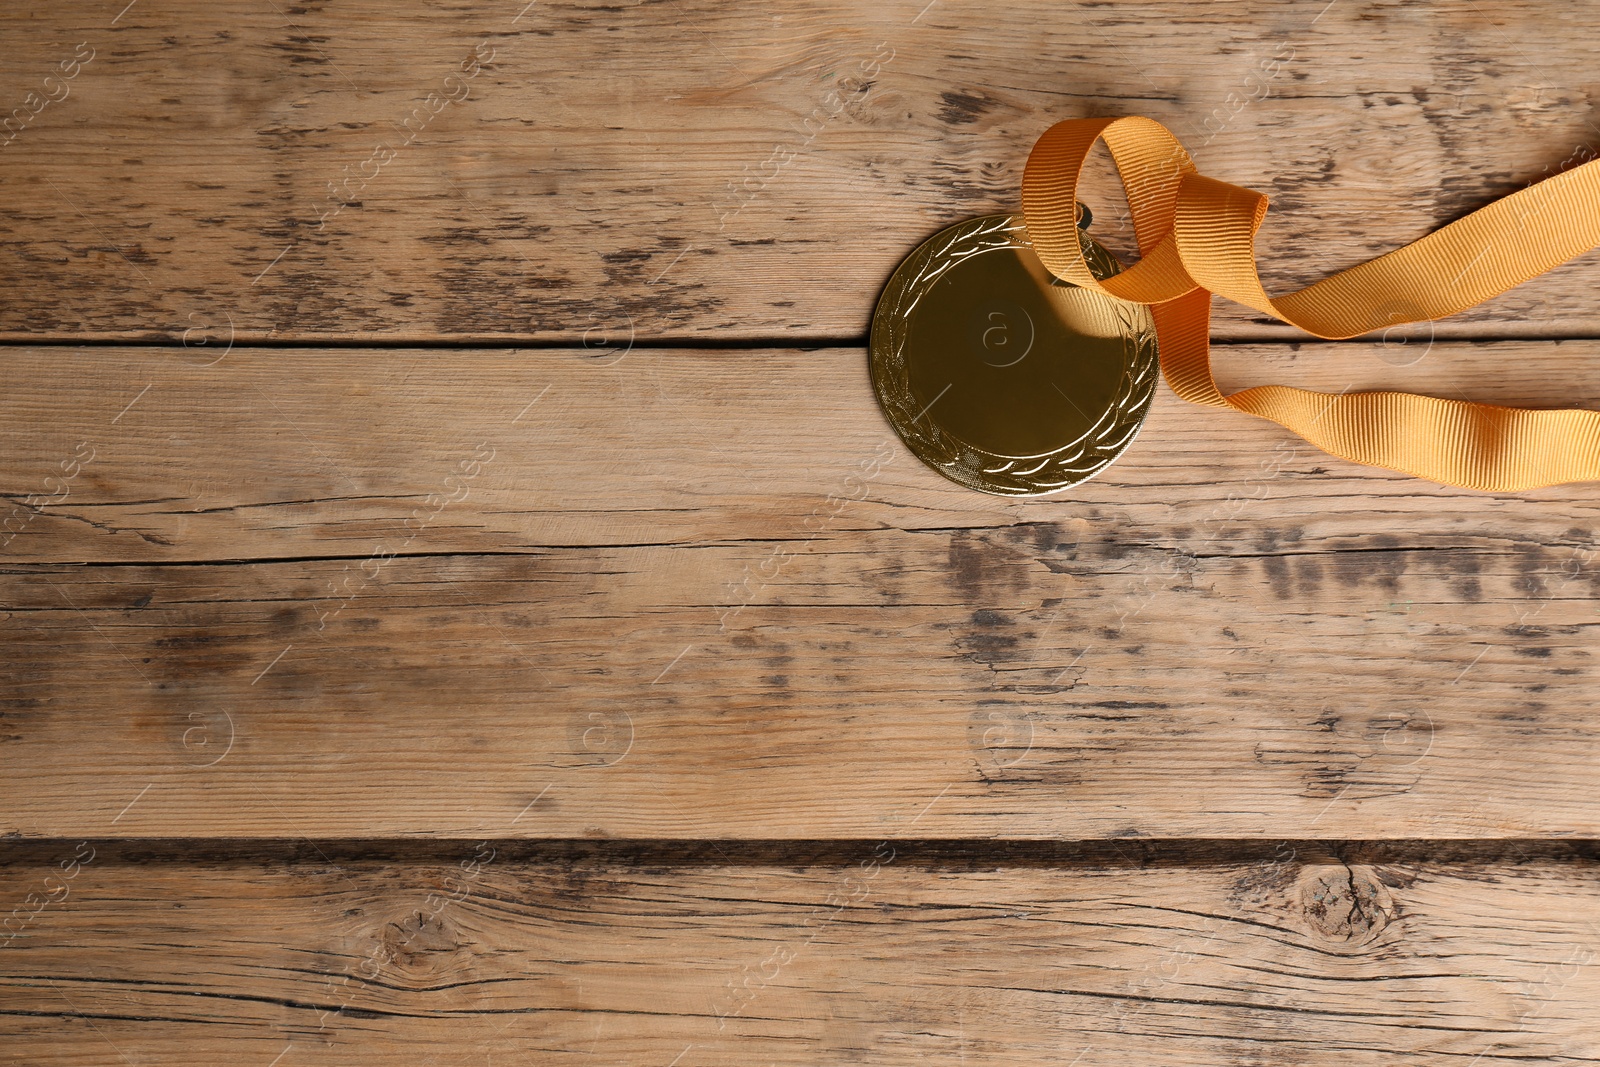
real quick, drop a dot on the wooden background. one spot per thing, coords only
(461, 604)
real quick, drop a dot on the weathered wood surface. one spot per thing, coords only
(683, 168)
(349, 593)
(161, 455)
(700, 606)
(881, 955)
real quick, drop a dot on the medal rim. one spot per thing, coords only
(959, 460)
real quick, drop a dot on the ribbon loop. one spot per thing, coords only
(1197, 237)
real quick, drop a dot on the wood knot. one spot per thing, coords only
(1345, 904)
(418, 945)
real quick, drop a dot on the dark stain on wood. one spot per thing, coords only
(961, 108)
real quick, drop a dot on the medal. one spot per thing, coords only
(1002, 377)
(1018, 358)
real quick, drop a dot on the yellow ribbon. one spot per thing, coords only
(1196, 237)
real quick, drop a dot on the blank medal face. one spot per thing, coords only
(1000, 376)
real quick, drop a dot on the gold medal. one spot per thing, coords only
(1000, 376)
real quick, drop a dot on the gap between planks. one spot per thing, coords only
(952, 854)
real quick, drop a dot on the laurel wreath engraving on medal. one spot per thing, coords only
(960, 460)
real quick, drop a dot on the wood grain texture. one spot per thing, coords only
(669, 600)
(685, 169)
(409, 702)
(884, 955)
(123, 455)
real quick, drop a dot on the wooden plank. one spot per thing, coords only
(597, 692)
(136, 455)
(885, 955)
(614, 626)
(212, 170)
